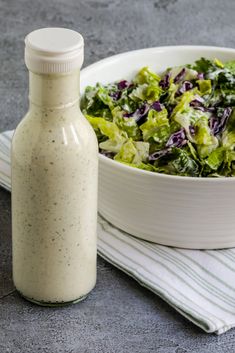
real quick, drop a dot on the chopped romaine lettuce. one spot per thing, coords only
(157, 127)
(181, 122)
(204, 87)
(133, 152)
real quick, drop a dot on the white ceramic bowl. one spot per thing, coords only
(172, 210)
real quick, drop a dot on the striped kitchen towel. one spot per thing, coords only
(198, 284)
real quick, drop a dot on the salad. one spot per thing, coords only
(181, 122)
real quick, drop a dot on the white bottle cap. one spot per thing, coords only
(54, 50)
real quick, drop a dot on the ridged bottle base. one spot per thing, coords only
(53, 304)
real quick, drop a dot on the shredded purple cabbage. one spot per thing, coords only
(158, 154)
(165, 82)
(214, 124)
(178, 139)
(123, 84)
(180, 76)
(186, 86)
(218, 123)
(198, 104)
(157, 106)
(139, 114)
(192, 130)
(115, 95)
(200, 76)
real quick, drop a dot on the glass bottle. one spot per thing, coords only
(54, 177)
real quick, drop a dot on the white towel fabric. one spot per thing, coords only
(198, 284)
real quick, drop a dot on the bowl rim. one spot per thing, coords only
(161, 48)
(136, 171)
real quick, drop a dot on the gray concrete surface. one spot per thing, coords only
(120, 315)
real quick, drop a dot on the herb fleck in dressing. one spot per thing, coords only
(54, 187)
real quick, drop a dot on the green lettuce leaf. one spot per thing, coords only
(171, 93)
(205, 141)
(203, 65)
(216, 158)
(204, 86)
(183, 163)
(178, 162)
(126, 124)
(229, 162)
(230, 65)
(115, 137)
(183, 105)
(157, 127)
(88, 98)
(204, 150)
(96, 102)
(218, 63)
(145, 166)
(133, 152)
(148, 88)
(146, 92)
(138, 94)
(203, 135)
(104, 95)
(145, 75)
(153, 93)
(185, 115)
(228, 136)
(126, 103)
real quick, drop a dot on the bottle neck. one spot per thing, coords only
(54, 91)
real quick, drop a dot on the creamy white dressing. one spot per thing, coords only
(54, 194)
